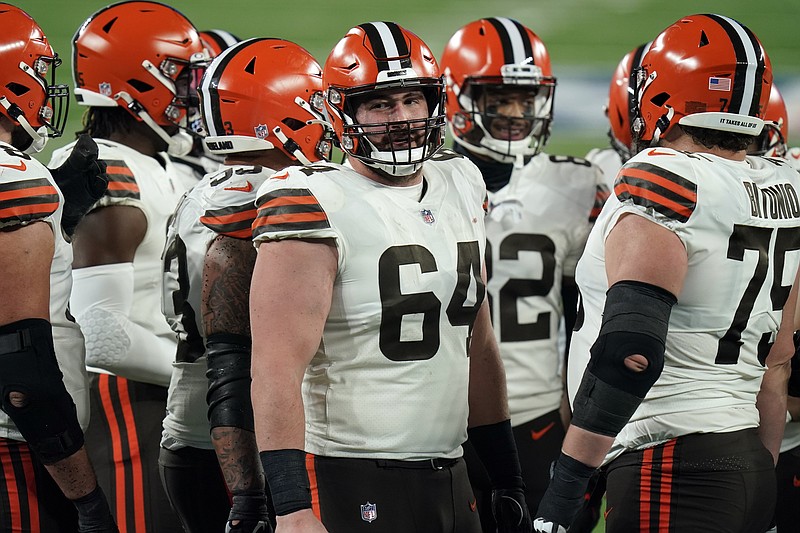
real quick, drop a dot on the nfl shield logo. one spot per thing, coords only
(369, 512)
(105, 89)
(427, 216)
(261, 131)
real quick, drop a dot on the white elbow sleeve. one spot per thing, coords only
(101, 302)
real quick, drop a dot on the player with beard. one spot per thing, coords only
(372, 344)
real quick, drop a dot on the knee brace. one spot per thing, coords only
(635, 321)
(228, 376)
(47, 417)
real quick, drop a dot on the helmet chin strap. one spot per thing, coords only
(394, 168)
(178, 145)
(38, 136)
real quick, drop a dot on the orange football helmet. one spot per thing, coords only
(773, 139)
(372, 57)
(27, 98)
(622, 104)
(261, 94)
(707, 71)
(146, 57)
(216, 41)
(483, 57)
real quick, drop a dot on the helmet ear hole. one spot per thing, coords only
(293, 123)
(660, 99)
(140, 85)
(17, 88)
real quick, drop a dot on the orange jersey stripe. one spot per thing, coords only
(120, 502)
(667, 464)
(13, 497)
(264, 220)
(25, 193)
(653, 197)
(33, 500)
(658, 180)
(289, 200)
(136, 457)
(122, 186)
(250, 214)
(21, 210)
(123, 171)
(644, 490)
(312, 481)
(246, 233)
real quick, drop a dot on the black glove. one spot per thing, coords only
(94, 515)
(564, 496)
(510, 511)
(250, 509)
(82, 179)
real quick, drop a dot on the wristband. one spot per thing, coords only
(287, 478)
(497, 450)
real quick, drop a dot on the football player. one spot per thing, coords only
(773, 143)
(47, 482)
(372, 342)
(199, 161)
(257, 103)
(683, 283)
(500, 91)
(619, 111)
(136, 65)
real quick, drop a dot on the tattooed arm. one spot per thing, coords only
(227, 271)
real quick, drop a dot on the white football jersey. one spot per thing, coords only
(222, 203)
(739, 223)
(791, 435)
(609, 162)
(536, 228)
(152, 186)
(29, 194)
(793, 157)
(390, 377)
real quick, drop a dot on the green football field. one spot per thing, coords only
(585, 38)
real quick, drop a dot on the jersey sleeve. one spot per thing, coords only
(26, 195)
(229, 205)
(661, 185)
(287, 208)
(121, 183)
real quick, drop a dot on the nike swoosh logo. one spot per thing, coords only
(281, 176)
(536, 435)
(656, 152)
(243, 188)
(605, 513)
(21, 167)
(473, 506)
(796, 482)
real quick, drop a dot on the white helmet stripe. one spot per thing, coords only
(389, 44)
(515, 39)
(208, 88)
(750, 66)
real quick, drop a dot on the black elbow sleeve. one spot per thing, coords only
(228, 398)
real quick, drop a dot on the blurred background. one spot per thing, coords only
(585, 38)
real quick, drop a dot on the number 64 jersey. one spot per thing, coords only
(740, 224)
(390, 377)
